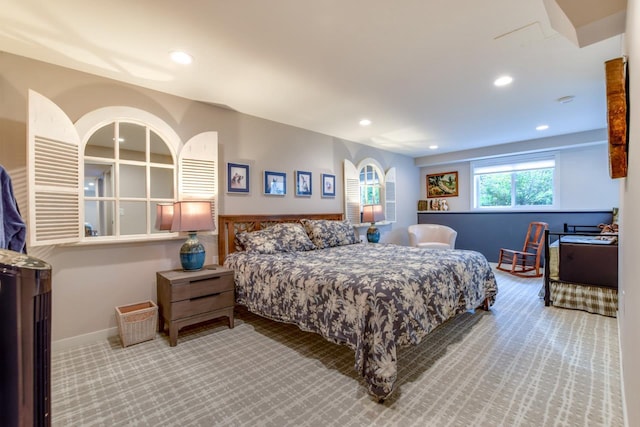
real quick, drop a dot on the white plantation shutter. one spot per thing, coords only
(390, 195)
(351, 193)
(54, 170)
(198, 173)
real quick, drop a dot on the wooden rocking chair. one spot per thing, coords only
(519, 263)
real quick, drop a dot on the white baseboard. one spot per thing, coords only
(79, 340)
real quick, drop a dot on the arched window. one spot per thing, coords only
(128, 170)
(368, 184)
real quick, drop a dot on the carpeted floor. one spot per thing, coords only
(520, 364)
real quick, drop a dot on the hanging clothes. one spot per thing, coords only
(13, 230)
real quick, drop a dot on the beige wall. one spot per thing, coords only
(90, 281)
(629, 314)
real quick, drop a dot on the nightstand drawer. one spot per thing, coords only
(194, 306)
(198, 288)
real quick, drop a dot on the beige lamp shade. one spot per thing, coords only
(372, 213)
(164, 216)
(192, 215)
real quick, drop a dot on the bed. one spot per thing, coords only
(374, 298)
(581, 270)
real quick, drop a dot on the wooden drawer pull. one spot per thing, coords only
(205, 296)
(204, 280)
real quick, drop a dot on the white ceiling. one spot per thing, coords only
(421, 70)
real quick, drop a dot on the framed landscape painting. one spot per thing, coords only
(442, 185)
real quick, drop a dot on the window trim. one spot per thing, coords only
(518, 159)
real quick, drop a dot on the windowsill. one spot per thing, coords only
(493, 211)
(368, 224)
(110, 240)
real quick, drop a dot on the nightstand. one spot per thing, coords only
(189, 297)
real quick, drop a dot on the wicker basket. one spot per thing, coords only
(137, 322)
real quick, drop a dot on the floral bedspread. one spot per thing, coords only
(371, 297)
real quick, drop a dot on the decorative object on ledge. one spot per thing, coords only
(237, 178)
(192, 216)
(442, 185)
(275, 183)
(617, 115)
(433, 205)
(372, 214)
(328, 185)
(303, 183)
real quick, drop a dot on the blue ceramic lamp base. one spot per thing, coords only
(373, 234)
(192, 254)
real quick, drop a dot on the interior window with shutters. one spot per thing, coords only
(128, 170)
(100, 179)
(367, 184)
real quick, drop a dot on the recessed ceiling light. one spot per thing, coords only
(433, 147)
(542, 127)
(365, 122)
(503, 81)
(181, 57)
(565, 99)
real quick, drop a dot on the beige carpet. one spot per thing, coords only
(520, 364)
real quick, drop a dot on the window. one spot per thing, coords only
(128, 169)
(368, 184)
(523, 182)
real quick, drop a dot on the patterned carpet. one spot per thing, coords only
(520, 364)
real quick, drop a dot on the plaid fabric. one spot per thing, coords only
(579, 297)
(588, 298)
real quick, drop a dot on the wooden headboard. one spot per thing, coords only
(229, 225)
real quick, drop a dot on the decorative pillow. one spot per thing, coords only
(238, 243)
(284, 237)
(326, 233)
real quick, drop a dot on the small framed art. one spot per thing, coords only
(275, 183)
(328, 185)
(442, 184)
(303, 183)
(237, 178)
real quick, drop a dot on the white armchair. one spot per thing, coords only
(434, 236)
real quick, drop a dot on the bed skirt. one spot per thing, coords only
(592, 299)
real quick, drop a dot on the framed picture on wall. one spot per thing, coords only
(442, 184)
(328, 185)
(303, 183)
(237, 178)
(275, 183)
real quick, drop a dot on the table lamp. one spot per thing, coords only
(164, 216)
(372, 214)
(192, 216)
